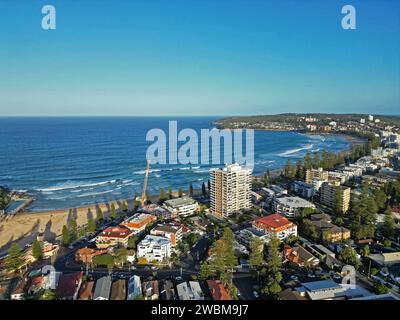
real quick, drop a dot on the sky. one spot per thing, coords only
(198, 57)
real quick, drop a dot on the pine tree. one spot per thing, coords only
(73, 229)
(256, 257)
(99, 215)
(65, 236)
(299, 170)
(191, 190)
(308, 164)
(288, 170)
(37, 251)
(113, 211)
(91, 226)
(163, 196)
(273, 275)
(203, 189)
(124, 206)
(316, 161)
(170, 193)
(209, 185)
(14, 259)
(180, 193)
(389, 226)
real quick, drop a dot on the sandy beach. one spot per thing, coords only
(25, 226)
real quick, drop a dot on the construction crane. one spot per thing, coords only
(146, 175)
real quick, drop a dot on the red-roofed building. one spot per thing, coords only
(68, 286)
(114, 236)
(275, 225)
(218, 290)
(86, 255)
(139, 222)
(37, 284)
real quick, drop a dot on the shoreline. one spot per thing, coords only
(24, 226)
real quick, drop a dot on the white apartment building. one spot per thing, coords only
(154, 248)
(291, 206)
(230, 189)
(181, 206)
(171, 231)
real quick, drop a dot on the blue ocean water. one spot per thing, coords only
(68, 162)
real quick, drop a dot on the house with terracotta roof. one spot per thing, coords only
(275, 225)
(218, 290)
(299, 256)
(114, 236)
(37, 285)
(138, 222)
(86, 291)
(68, 286)
(86, 255)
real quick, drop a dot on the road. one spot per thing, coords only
(190, 264)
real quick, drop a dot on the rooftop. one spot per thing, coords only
(116, 232)
(273, 221)
(178, 202)
(294, 202)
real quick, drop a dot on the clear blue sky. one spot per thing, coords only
(199, 57)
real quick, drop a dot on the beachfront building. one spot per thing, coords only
(275, 225)
(114, 236)
(230, 190)
(335, 196)
(291, 206)
(154, 248)
(319, 174)
(184, 206)
(171, 231)
(138, 222)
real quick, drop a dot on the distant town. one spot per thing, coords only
(295, 234)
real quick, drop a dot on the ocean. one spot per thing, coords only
(70, 162)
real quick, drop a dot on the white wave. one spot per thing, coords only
(74, 185)
(202, 171)
(93, 194)
(144, 171)
(293, 151)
